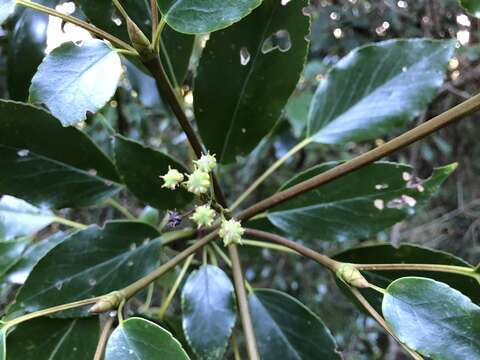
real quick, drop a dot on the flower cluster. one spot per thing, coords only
(231, 231)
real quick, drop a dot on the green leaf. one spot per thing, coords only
(142, 339)
(203, 16)
(433, 319)
(407, 254)
(286, 329)
(141, 168)
(262, 57)
(3, 343)
(356, 205)
(32, 255)
(209, 312)
(377, 88)
(26, 49)
(48, 165)
(472, 6)
(10, 253)
(19, 218)
(54, 339)
(6, 8)
(75, 79)
(89, 263)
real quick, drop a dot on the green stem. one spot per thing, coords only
(50, 311)
(121, 9)
(154, 18)
(458, 112)
(461, 270)
(90, 28)
(69, 223)
(172, 236)
(157, 34)
(267, 245)
(176, 285)
(377, 289)
(121, 209)
(269, 172)
(148, 300)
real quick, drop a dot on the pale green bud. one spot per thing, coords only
(206, 163)
(172, 178)
(231, 231)
(198, 182)
(203, 216)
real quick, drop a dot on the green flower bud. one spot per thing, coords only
(198, 182)
(172, 178)
(203, 216)
(231, 231)
(206, 163)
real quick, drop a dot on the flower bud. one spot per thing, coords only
(206, 163)
(172, 178)
(198, 182)
(352, 276)
(231, 231)
(203, 216)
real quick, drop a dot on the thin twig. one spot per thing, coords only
(102, 341)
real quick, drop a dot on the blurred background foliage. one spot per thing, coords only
(451, 222)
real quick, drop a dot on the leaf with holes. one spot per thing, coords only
(209, 312)
(357, 205)
(141, 168)
(74, 80)
(6, 8)
(262, 57)
(90, 263)
(433, 319)
(19, 218)
(377, 88)
(407, 254)
(54, 339)
(48, 165)
(472, 6)
(286, 329)
(143, 339)
(203, 16)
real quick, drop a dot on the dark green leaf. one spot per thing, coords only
(357, 205)
(407, 254)
(54, 339)
(141, 168)
(209, 312)
(49, 165)
(262, 57)
(203, 16)
(26, 49)
(377, 88)
(472, 6)
(75, 79)
(433, 319)
(6, 8)
(137, 338)
(20, 271)
(10, 253)
(285, 329)
(90, 263)
(19, 218)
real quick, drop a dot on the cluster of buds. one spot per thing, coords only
(231, 231)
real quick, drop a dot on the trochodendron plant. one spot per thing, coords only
(85, 276)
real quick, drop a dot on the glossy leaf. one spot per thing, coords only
(90, 263)
(407, 254)
(48, 165)
(76, 79)
(209, 312)
(262, 57)
(377, 88)
(26, 48)
(285, 329)
(54, 339)
(10, 254)
(137, 338)
(472, 6)
(433, 319)
(357, 205)
(32, 255)
(203, 16)
(141, 168)
(19, 218)
(6, 8)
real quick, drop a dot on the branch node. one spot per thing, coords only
(352, 276)
(108, 302)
